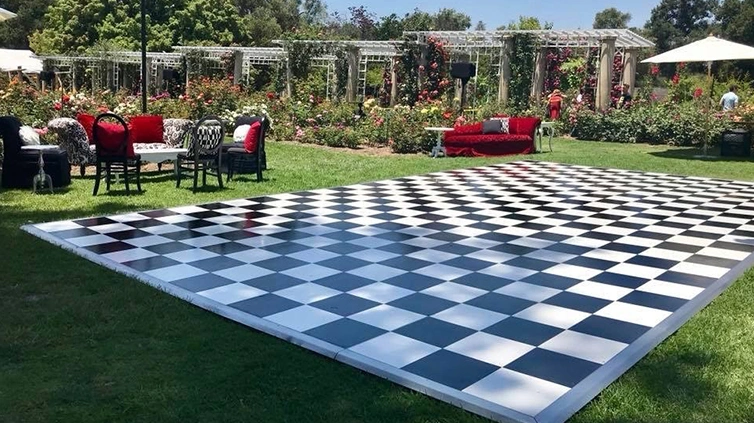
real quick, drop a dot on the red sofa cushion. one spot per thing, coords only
(524, 125)
(110, 136)
(485, 138)
(252, 137)
(474, 128)
(147, 129)
(87, 121)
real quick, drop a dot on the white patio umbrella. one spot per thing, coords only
(6, 14)
(710, 49)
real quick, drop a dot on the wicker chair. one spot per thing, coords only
(204, 143)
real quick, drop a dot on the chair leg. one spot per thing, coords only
(125, 176)
(138, 175)
(259, 174)
(196, 176)
(82, 170)
(159, 167)
(177, 173)
(219, 174)
(231, 159)
(204, 174)
(108, 168)
(97, 178)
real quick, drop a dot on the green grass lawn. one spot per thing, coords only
(80, 343)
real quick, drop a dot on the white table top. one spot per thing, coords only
(438, 129)
(39, 147)
(161, 150)
(547, 124)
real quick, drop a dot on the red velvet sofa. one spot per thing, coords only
(468, 140)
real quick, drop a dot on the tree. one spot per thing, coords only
(527, 23)
(451, 20)
(735, 19)
(611, 18)
(418, 21)
(364, 21)
(14, 33)
(480, 26)
(313, 12)
(74, 26)
(677, 22)
(389, 28)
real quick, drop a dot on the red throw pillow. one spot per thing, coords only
(252, 137)
(87, 121)
(111, 136)
(147, 129)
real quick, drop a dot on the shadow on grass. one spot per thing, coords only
(666, 383)
(698, 154)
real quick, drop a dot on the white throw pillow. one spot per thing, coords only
(28, 135)
(239, 135)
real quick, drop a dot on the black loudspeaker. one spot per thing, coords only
(47, 76)
(462, 70)
(735, 143)
(169, 74)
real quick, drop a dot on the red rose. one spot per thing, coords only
(57, 106)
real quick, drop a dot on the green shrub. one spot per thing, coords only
(667, 123)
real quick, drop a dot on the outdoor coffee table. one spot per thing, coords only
(159, 155)
(41, 179)
(438, 148)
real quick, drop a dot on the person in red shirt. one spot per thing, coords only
(555, 104)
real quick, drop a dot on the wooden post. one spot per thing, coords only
(394, 81)
(238, 67)
(288, 78)
(352, 86)
(503, 89)
(629, 69)
(540, 68)
(605, 76)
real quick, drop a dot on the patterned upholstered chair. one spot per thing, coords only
(204, 143)
(174, 131)
(72, 138)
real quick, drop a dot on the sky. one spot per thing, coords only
(565, 14)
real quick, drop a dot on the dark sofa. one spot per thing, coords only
(19, 166)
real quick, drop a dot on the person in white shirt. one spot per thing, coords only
(730, 99)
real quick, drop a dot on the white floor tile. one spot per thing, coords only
(381, 292)
(700, 270)
(233, 293)
(490, 349)
(204, 241)
(377, 272)
(432, 256)
(394, 350)
(470, 317)
(252, 255)
(600, 290)
(303, 318)
(373, 256)
(573, 272)
(310, 272)
(243, 273)
(508, 272)
(586, 347)
(636, 270)
(88, 241)
(559, 317)
(307, 293)
(194, 254)
(174, 273)
(631, 313)
(443, 272)
(517, 391)
(492, 256)
(129, 255)
(528, 291)
(454, 292)
(677, 290)
(387, 317)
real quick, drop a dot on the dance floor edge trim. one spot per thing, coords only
(558, 412)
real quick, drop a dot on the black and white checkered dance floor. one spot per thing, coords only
(516, 291)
